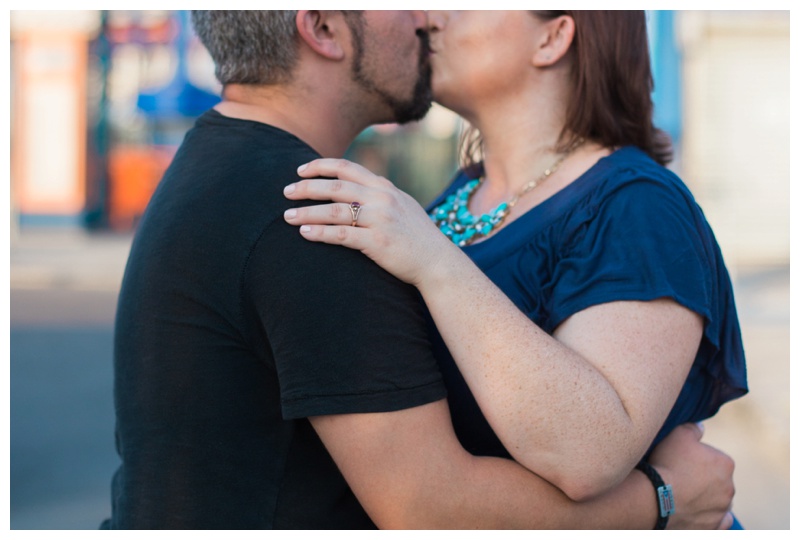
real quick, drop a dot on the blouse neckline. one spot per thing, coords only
(520, 231)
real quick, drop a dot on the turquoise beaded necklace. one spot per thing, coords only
(457, 223)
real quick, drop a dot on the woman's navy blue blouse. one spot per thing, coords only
(627, 229)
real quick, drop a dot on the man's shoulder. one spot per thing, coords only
(222, 191)
(242, 143)
(232, 169)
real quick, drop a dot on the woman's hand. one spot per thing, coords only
(390, 227)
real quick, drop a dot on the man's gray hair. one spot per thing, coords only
(249, 47)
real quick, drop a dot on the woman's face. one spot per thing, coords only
(480, 55)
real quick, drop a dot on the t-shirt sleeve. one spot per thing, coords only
(639, 242)
(345, 335)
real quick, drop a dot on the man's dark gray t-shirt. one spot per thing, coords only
(232, 329)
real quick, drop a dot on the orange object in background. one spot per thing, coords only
(48, 120)
(134, 172)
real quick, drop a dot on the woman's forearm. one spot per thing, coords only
(554, 411)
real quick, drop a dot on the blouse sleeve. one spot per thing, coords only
(639, 241)
(647, 239)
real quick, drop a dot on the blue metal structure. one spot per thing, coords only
(666, 64)
(180, 98)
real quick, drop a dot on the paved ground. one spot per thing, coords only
(63, 296)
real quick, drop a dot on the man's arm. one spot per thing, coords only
(409, 471)
(702, 477)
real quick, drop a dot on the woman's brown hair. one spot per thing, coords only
(612, 85)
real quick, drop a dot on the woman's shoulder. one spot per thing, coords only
(629, 172)
(641, 166)
(631, 164)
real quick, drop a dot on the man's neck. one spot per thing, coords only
(318, 120)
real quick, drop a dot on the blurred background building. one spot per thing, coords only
(100, 100)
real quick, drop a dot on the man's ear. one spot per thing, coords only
(323, 32)
(555, 41)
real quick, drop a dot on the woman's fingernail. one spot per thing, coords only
(290, 214)
(301, 168)
(305, 228)
(289, 189)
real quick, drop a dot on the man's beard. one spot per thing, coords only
(403, 111)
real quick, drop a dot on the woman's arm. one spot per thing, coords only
(409, 471)
(579, 408)
(583, 406)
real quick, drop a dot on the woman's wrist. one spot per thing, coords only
(446, 265)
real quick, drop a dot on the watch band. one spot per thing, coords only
(664, 496)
